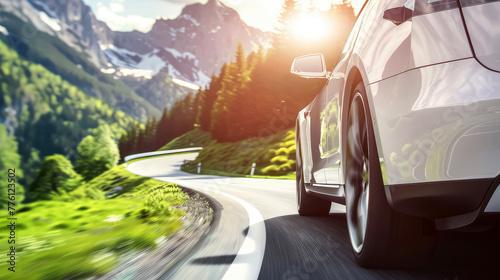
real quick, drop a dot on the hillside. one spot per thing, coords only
(161, 91)
(274, 156)
(72, 66)
(47, 114)
(194, 138)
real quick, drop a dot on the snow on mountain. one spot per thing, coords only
(178, 54)
(186, 84)
(127, 63)
(190, 18)
(4, 30)
(197, 43)
(51, 22)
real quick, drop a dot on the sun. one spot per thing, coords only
(310, 26)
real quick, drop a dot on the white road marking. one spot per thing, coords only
(248, 261)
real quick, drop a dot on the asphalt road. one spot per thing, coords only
(257, 233)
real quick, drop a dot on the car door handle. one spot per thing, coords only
(398, 15)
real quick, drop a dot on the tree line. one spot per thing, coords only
(156, 133)
(255, 95)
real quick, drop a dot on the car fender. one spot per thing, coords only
(357, 73)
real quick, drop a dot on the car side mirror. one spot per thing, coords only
(398, 15)
(310, 66)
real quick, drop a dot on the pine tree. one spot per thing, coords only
(201, 96)
(162, 129)
(124, 145)
(55, 175)
(226, 106)
(133, 138)
(210, 98)
(97, 153)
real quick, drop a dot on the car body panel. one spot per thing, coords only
(384, 49)
(304, 140)
(331, 125)
(434, 124)
(482, 23)
(438, 37)
(310, 139)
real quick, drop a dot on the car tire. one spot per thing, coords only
(380, 237)
(308, 205)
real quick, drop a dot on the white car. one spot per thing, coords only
(406, 131)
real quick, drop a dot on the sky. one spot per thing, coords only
(127, 15)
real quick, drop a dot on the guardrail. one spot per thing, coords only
(159, 153)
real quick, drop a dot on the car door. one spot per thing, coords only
(331, 124)
(316, 127)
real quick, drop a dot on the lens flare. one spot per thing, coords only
(309, 27)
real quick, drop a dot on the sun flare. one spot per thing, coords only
(309, 26)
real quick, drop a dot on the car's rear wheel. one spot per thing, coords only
(380, 237)
(308, 205)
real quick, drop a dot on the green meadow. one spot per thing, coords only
(83, 234)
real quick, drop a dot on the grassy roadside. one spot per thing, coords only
(274, 157)
(82, 234)
(194, 138)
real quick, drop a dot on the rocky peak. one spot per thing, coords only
(211, 6)
(79, 27)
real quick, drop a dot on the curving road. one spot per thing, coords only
(257, 233)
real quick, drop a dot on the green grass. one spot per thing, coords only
(194, 138)
(74, 237)
(274, 156)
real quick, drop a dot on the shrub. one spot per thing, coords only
(97, 154)
(55, 177)
(282, 152)
(290, 143)
(271, 170)
(279, 160)
(292, 152)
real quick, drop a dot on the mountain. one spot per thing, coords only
(66, 38)
(193, 46)
(190, 47)
(23, 30)
(71, 21)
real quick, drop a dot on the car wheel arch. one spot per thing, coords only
(355, 76)
(352, 81)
